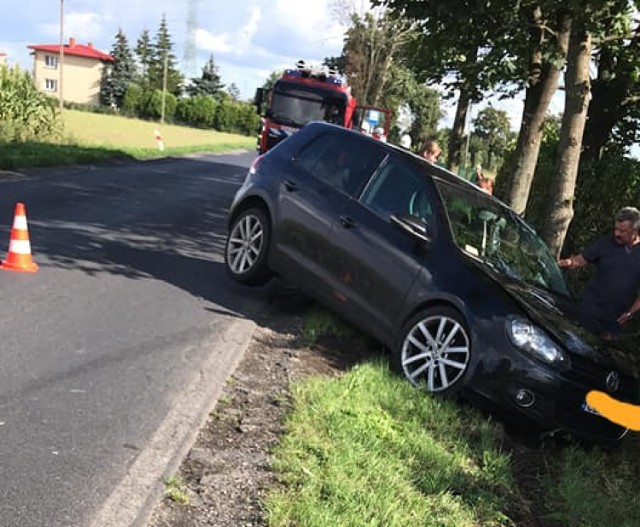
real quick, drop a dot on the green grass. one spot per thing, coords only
(96, 137)
(369, 449)
(595, 488)
(320, 322)
(175, 490)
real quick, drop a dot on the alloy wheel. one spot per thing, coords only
(435, 353)
(245, 244)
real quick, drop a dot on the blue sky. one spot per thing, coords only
(249, 39)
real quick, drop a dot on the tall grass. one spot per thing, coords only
(368, 449)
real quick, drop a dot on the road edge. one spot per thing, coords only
(138, 493)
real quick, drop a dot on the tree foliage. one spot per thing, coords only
(208, 83)
(164, 63)
(457, 46)
(144, 54)
(121, 75)
(234, 91)
(493, 128)
(372, 45)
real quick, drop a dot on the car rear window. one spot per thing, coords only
(342, 160)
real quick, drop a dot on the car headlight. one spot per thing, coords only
(535, 342)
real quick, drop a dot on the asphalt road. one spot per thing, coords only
(130, 299)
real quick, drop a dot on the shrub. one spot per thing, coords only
(151, 105)
(198, 111)
(25, 113)
(131, 100)
(225, 116)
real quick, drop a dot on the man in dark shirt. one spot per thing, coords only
(611, 297)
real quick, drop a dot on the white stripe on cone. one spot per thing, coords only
(20, 223)
(20, 247)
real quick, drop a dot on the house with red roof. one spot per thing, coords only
(3, 59)
(81, 67)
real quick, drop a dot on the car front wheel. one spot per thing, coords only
(247, 247)
(434, 350)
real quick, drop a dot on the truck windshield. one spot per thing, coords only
(295, 106)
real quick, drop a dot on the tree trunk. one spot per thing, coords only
(578, 89)
(609, 95)
(457, 133)
(543, 83)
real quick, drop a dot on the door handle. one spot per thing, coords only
(290, 185)
(347, 222)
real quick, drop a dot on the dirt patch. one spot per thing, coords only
(227, 471)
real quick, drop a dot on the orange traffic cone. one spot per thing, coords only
(19, 255)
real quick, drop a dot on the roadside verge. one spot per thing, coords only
(135, 497)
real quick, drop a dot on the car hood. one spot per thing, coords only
(558, 316)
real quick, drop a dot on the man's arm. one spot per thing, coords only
(628, 315)
(573, 262)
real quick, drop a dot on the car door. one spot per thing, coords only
(322, 178)
(376, 261)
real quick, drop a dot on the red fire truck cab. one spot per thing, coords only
(307, 94)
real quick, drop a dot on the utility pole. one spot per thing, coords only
(61, 61)
(164, 87)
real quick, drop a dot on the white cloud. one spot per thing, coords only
(252, 25)
(238, 43)
(214, 43)
(82, 26)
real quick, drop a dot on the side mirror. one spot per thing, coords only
(413, 226)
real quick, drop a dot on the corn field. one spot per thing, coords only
(25, 113)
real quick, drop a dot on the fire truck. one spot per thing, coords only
(311, 93)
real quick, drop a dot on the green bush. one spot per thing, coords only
(225, 116)
(236, 117)
(248, 120)
(131, 100)
(150, 106)
(25, 113)
(198, 111)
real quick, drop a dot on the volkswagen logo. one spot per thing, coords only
(613, 381)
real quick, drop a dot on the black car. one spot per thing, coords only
(459, 288)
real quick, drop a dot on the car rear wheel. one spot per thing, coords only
(434, 350)
(247, 247)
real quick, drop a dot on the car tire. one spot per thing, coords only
(247, 246)
(434, 351)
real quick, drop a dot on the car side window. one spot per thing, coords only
(399, 188)
(343, 161)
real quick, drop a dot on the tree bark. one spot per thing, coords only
(457, 133)
(543, 83)
(578, 91)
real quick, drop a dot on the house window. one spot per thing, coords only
(51, 85)
(51, 61)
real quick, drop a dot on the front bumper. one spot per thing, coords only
(530, 390)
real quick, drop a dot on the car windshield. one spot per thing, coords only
(493, 233)
(296, 107)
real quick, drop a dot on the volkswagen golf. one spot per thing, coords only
(464, 294)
